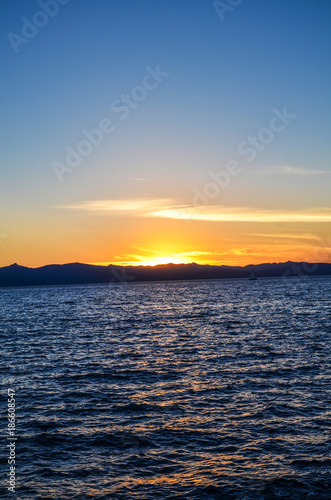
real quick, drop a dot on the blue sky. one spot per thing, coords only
(225, 79)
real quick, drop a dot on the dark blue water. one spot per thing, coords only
(177, 390)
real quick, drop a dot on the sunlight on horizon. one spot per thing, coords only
(150, 261)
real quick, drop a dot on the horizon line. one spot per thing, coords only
(111, 264)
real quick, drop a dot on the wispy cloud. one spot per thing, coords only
(149, 251)
(138, 206)
(244, 214)
(166, 208)
(287, 170)
(291, 236)
(139, 179)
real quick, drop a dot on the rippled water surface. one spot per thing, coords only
(176, 390)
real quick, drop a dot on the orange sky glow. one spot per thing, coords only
(158, 232)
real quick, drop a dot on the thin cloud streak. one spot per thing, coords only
(135, 205)
(287, 170)
(290, 236)
(166, 208)
(139, 179)
(242, 214)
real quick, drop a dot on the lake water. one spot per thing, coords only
(176, 390)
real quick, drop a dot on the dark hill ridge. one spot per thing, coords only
(76, 273)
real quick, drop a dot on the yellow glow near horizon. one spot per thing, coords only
(155, 261)
(128, 237)
(149, 261)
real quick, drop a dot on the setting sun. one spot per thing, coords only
(166, 259)
(151, 260)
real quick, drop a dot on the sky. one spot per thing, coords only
(139, 132)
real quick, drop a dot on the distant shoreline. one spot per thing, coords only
(151, 282)
(83, 274)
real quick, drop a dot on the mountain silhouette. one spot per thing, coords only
(76, 273)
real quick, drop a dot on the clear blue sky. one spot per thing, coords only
(225, 79)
